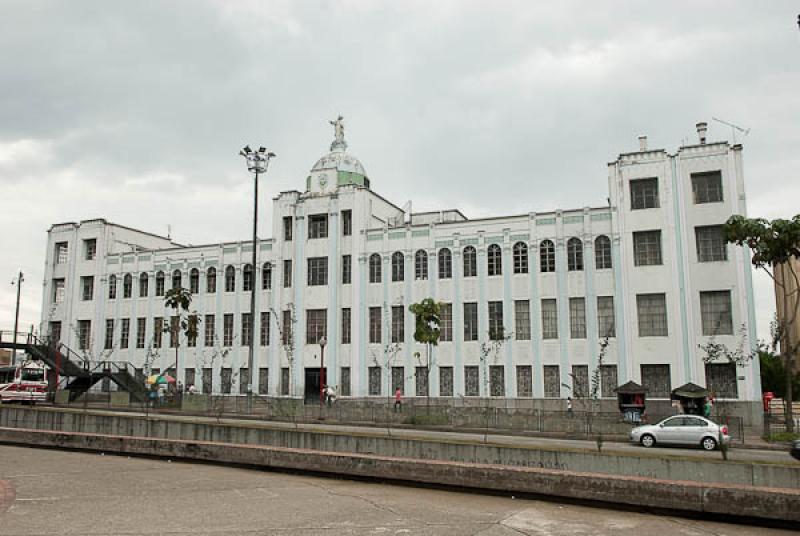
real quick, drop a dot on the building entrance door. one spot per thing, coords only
(312, 385)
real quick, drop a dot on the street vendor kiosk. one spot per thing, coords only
(631, 397)
(691, 397)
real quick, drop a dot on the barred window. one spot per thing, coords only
(246, 332)
(286, 326)
(602, 252)
(230, 279)
(174, 331)
(496, 329)
(316, 325)
(84, 334)
(608, 381)
(707, 187)
(141, 332)
(194, 281)
(656, 380)
(445, 381)
(264, 329)
(317, 271)
(347, 269)
(547, 256)
(652, 313)
(90, 248)
(160, 278)
(647, 248)
(472, 385)
(520, 258)
(577, 318)
(445, 260)
(143, 284)
(374, 268)
(287, 273)
(112, 287)
(711, 244)
(211, 280)
(494, 260)
(284, 381)
(344, 381)
(398, 379)
(226, 380)
(158, 331)
(266, 276)
(644, 193)
(580, 381)
(398, 266)
(421, 381)
(109, 342)
(398, 324)
(420, 265)
(346, 325)
(263, 381)
(470, 262)
(176, 279)
(125, 333)
(470, 321)
(522, 320)
(87, 287)
(227, 330)
(347, 223)
(606, 326)
(574, 254)
(61, 252)
(244, 380)
(524, 381)
(127, 286)
(549, 319)
(375, 325)
(209, 331)
(287, 228)
(497, 380)
(59, 290)
(318, 226)
(715, 309)
(247, 278)
(721, 380)
(374, 381)
(552, 381)
(446, 322)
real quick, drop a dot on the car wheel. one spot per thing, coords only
(709, 443)
(647, 441)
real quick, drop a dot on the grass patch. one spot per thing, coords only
(427, 420)
(782, 436)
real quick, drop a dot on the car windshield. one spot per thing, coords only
(32, 375)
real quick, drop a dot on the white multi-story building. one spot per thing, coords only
(649, 272)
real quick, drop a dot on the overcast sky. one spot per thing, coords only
(135, 111)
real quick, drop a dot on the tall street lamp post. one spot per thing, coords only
(18, 282)
(322, 342)
(257, 162)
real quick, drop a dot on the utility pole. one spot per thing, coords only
(20, 279)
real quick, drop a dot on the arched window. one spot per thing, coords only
(495, 260)
(160, 283)
(520, 258)
(547, 256)
(247, 278)
(230, 279)
(143, 281)
(112, 287)
(574, 254)
(194, 281)
(266, 276)
(421, 264)
(374, 268)
(398, 269)
(445, 261)
(211, 280)
(602, 252)
(176, 279)
(470, 262)
(127, 286)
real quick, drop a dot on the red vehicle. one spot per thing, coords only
(23, 383)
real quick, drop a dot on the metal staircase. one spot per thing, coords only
(80, 373)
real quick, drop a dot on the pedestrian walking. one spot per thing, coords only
(569, 405)
(398, 400)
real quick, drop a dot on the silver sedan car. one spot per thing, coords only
(682, 430)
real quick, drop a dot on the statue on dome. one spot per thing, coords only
(338, 127)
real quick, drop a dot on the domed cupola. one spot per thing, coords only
(337, 168)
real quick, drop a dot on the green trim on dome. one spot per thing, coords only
(348, 177)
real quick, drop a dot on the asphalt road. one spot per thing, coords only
(56, 492)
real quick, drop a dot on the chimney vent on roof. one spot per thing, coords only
(642, 143)
(702, 128)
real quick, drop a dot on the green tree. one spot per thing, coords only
(773, 375)
(179, 299)
(775, 247)
(427, 331)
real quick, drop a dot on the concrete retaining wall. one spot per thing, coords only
(751, 501)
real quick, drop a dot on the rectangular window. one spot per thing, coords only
(472, 386)
(522, 320)
(549, 319)
(317, 271)
(208, 380)
(227, 330)
(346, 325)
(580, 381)
(445, 381)
(497, 380)
(421, 381)
(55, 332)
(707, 187)
(652, 313)
(109, 342)
(61, 252)
(552, 381)
(524, 381)
(398, 379)
(188, 377)
(347, 269)
(374, 325)
(174, 331)
(158, 331)
(606, 326)
(286, 327)
(264, 329)
(87, 286)
(715, 309)
(577, 318)
(470, 321)
(721, 380)
(344, 381)
(125, 333)
(647, 248)
(141, 332)
(655, 378)
(398, 324)
(711, 244)
(226, 380)
(90, 249)
(347, 222)
(244, 380)
(209, 331)
(287, 273)
(191, 338)
(112, 288)
(445, 322)
(84, 334)
(316, 325)
(263, 381)
(285, 381)
(247, 338)
(644, 193)
(318, 226)
(287, 228)
(266, 276)
(608, 381)
(496, 329)
(374, 381)
(58, 290)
